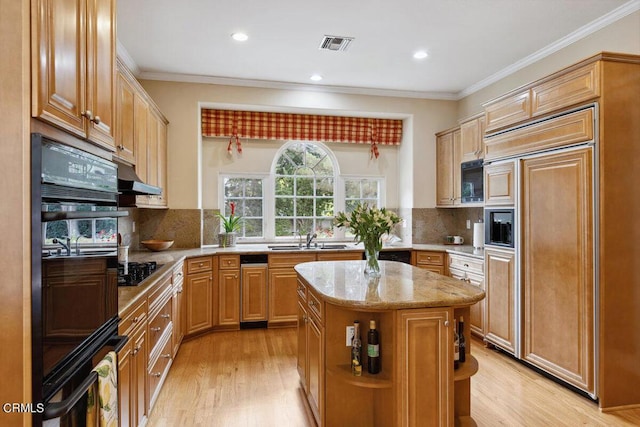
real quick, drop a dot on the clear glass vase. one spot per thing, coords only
(371, 252)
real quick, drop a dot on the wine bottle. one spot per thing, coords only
(456, 346)
(373, 349)
(462, 344)
(356, 351)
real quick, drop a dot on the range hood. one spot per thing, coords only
(130, 184)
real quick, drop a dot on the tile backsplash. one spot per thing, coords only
(432, 225)
(193, 228)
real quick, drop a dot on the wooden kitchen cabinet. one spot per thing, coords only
(418, 357)
(283, 309)
(500, 279)
(499, 183)
(178, 306)
(471, 270)
(132, 367)
(254, 293)
(199, 294)
(430, 260)
(507, 110)
(471, 139)
(142, 136)
(557, 260)
(228, 295)
(448, 174)
(73, 67)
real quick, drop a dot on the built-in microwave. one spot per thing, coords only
(499, 227)
(472, 179)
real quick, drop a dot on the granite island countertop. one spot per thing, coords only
(399, 286)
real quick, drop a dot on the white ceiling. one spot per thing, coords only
(471, 43)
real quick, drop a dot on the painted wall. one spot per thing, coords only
(622, 36)
(412, 164)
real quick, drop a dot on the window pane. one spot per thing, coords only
(304, 186)
(324, 167)
(284, 227)
(324, 207)
(233, 187)
(370, 189)
(305, 171)
(252, 227)
(284, 186)
(325, 187)
(324, 228)
(252, 207)
(284, 166)
(350, 205)
(56, 229)
(253, 188)
(106, 230)
(305, 225)
(352, 189)
(284, 207)
(304, 207)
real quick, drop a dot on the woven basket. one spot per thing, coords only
(227, 240)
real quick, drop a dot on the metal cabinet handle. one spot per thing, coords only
(88, 114)
(166, 356)
(156, 329)
(429, 258)
(96, 120)
(446, 323)
(157, 374)
(201, 264)
(165, 316)
(312, 303)
(135, 320)
(466, 265)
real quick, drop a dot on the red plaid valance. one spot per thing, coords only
(306, 127)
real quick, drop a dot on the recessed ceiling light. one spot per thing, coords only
(421, 54)
(316, 77)
(240, 37)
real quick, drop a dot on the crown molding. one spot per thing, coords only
(268, 84)
(127, 59)
(582, 32)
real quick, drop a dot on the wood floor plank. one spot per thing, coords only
(248, 378)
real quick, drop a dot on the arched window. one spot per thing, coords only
(304, 189)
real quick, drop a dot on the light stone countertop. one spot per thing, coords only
(400, 286)
(128, 295)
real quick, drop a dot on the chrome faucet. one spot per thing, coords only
(67, 246)
(310, 238)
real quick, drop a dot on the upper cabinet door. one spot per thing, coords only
(73, 69)
(59, 63)
(101, 66)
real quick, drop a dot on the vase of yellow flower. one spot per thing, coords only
(230, 225)
(368, 224)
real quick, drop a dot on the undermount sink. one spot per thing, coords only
(332, 247)
(304, 248)
(286, 248)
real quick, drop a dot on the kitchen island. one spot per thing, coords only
(414, 310)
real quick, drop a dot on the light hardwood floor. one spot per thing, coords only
(249, 378)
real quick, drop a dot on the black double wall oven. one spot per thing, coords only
(74, 226)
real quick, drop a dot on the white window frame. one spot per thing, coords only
(266, 191)
(268, 195)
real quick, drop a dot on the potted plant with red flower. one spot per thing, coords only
(231, 225)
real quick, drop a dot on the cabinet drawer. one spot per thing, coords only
(178, 275)
(566, 90)
(68, 267)
(429, 258)
(507, 111)
(200, 264)
(160, 289)
(340, 256)
(158, 371)
(467, 264)
(302, 290)
(159, 322)
(315, 305)
(289, 260)
(229, 262)
(133, 318)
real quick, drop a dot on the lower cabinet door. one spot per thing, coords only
(283, 283)
(315, 362)
(124, 384)
(500, 300)
(422, 365)
(302, 345)
(229, 298)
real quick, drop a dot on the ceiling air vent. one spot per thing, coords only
(335, 43)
